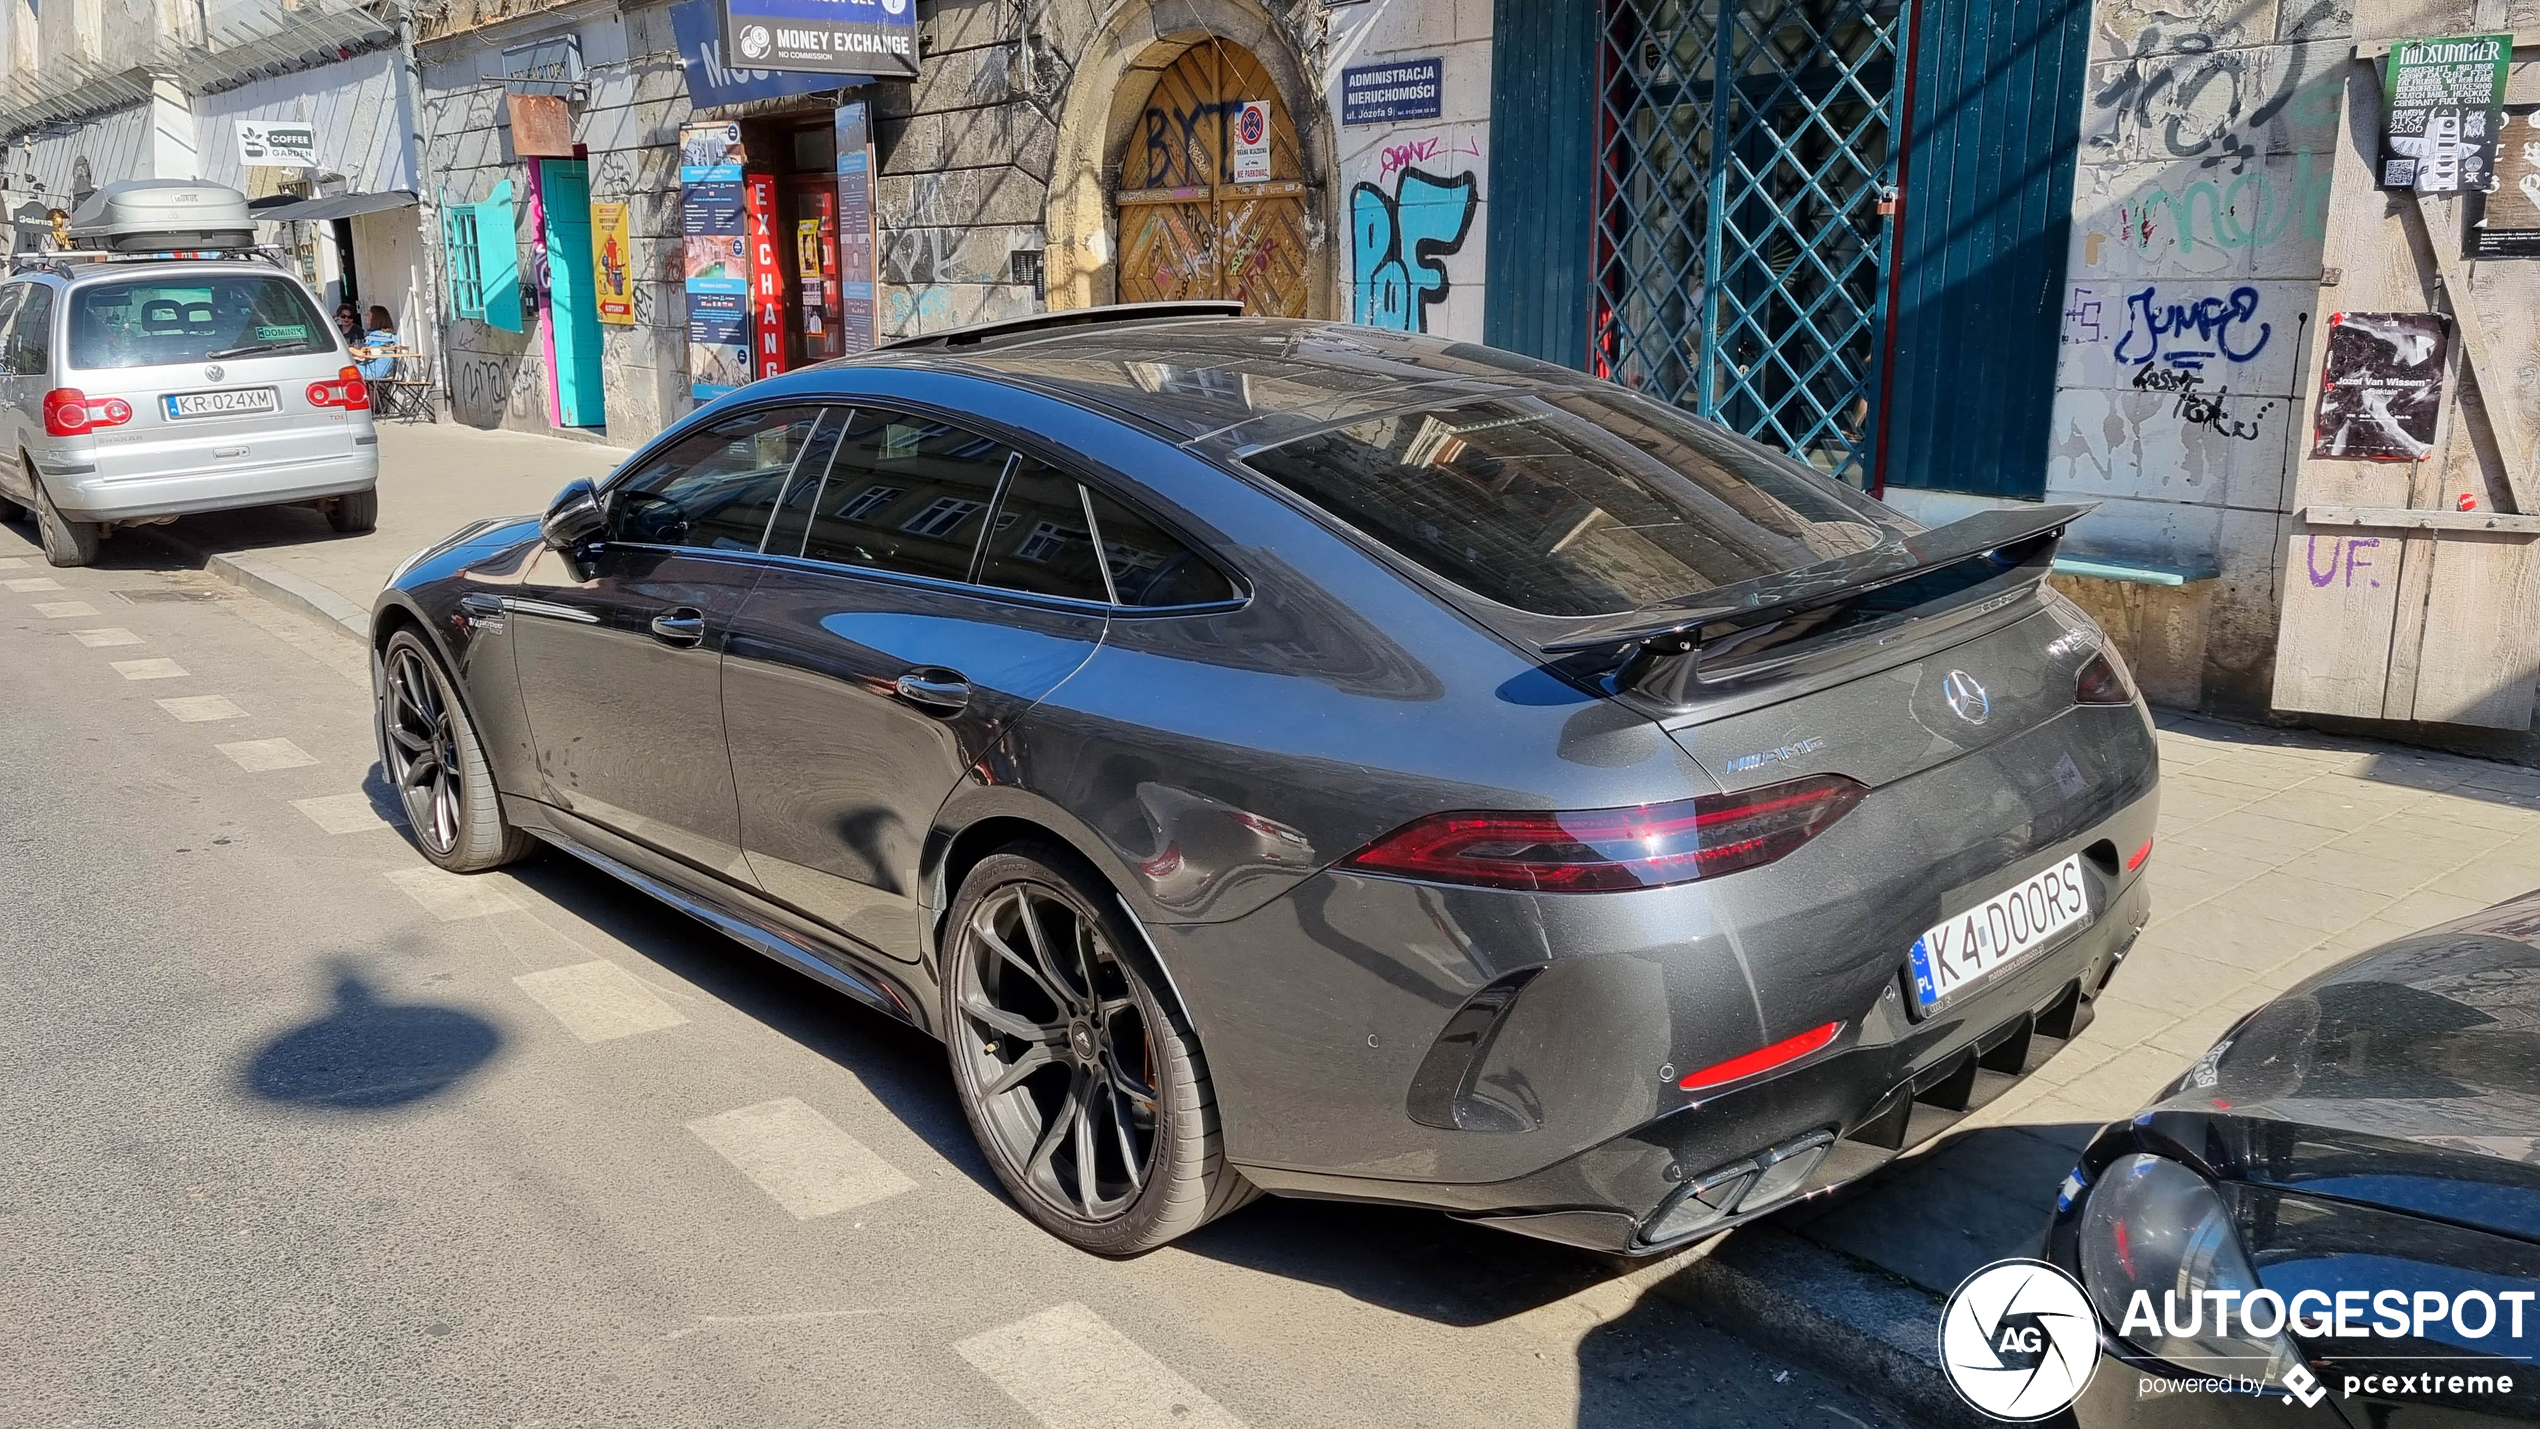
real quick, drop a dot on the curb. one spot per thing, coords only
(269, 581)
(1835, 1315)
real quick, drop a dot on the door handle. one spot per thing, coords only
(935, 691)
(683, 626)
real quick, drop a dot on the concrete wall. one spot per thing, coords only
(630, 125)
(1416, 186)
(2200, 203)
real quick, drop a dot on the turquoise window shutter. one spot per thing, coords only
(450, 261)
(498, 259)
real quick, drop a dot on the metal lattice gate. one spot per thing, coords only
(1740, 250)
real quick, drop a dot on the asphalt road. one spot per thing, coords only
(300, 1131)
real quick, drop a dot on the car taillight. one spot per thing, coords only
(69, 412)
(1603, 850)
(348, 390)
(1762, 1059)
(2104, 680)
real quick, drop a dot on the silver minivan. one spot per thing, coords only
(136, 391)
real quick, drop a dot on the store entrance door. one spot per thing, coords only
(808, 238)
(573, 300)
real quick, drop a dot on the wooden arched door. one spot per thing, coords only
(1194, 223)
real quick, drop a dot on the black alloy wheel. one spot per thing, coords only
(1082, 1081)
(422, 752)
(1066, 1070)
(428, 750)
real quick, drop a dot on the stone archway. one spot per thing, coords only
(1115, 79)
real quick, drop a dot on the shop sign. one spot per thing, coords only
(859, 37)
(716, 258)
(860, 323)
(2439, 110)
(612, 263)
(263, 144)
(696, 26)
(1252, 142)
(2381, 386)
(2504, 222)
(1393, 93)
(767, 277)
(542, 126)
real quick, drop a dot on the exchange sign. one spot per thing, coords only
(858, 37)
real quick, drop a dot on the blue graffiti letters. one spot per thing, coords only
(1397, 240)
(2196, 330)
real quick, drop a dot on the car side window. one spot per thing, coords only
(1150, 566)
(31, 333)
(10, 297)
(907, 494)
(715, 488)
(1041, 541)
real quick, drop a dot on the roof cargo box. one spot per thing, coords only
(154, 215)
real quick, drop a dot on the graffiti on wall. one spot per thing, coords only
(1405, 223)
(2186, 96)
(2250, 209)
(2186, 333)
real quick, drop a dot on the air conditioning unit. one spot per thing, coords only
(151, 215)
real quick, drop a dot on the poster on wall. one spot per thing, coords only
(2439, 103)
(859, 37)
(2381, 386)
(612, 263)
(263, 144)
(1252, 142)
(2504, 222)
(712, 228)
(860, 323)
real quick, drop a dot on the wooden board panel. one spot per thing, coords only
(2341, 600)
(2482, 631)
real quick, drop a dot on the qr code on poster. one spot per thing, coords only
(2399, 174)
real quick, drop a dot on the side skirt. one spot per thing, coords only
(873, 989)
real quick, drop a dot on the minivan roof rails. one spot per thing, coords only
(64, 261)
(1064, 318)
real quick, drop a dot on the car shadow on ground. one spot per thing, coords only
(903, 1068)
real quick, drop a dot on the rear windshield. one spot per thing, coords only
(194, 318)
(1575, 503)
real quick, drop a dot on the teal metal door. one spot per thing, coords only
(1739, 255)
(564, 187)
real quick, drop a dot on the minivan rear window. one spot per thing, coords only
(149, 322)
(1574, 503)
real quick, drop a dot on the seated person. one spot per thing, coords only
(370, 353)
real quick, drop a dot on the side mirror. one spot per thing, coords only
(573, 518)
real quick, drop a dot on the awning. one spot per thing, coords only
(339, 206)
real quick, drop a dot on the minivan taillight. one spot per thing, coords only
(2104, 680)
(1603, 850)
(69, 412)
(348, 390)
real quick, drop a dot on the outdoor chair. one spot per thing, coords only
(406, 394)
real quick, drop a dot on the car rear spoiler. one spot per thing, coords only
(1676, 626)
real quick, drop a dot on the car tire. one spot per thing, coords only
(66, 542)
(1040, 1044)
(429, 751)
(354, 511)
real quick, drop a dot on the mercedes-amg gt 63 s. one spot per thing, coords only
(1281, 756)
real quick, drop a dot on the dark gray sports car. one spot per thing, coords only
(1292, 757)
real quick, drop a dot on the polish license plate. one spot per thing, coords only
(1966, 947)
(231, 402)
